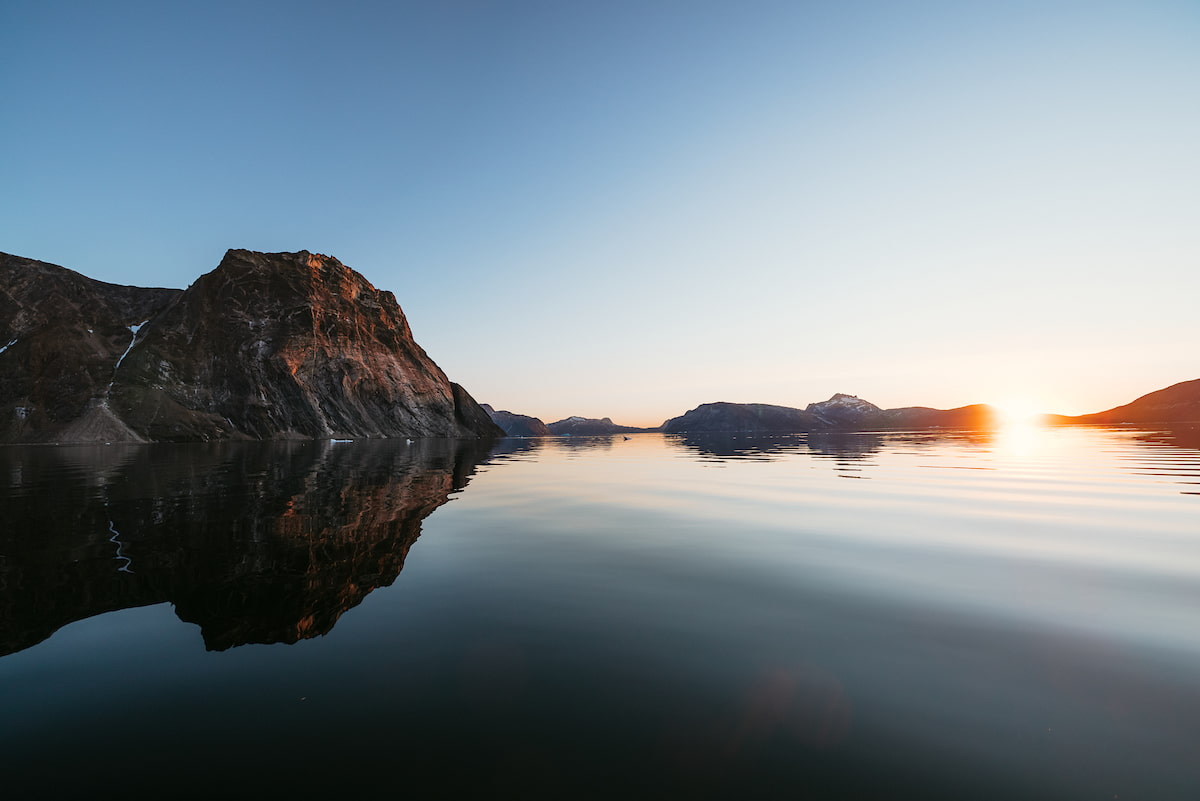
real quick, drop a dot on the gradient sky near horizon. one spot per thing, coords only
(627, 209)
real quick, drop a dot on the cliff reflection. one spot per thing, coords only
(255, 543)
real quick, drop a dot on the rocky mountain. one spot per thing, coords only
(844, 411)
(1178, 403)
(590, 427)
(517, 425)
(840, 413)
(266, 346)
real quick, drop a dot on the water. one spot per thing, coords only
(900, 616)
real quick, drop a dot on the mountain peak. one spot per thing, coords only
(843, 409)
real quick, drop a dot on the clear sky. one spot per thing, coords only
(627, 209)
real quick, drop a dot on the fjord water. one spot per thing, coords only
(946, 615)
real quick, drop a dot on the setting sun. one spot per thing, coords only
(1019, 410)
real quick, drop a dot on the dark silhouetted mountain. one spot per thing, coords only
(1178, 403)
(742, 417)
(266, 346)
(517, 425)
(840, 413)
(590, 427)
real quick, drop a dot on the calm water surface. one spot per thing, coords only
(898, 616)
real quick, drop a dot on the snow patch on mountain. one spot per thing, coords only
(842, 408)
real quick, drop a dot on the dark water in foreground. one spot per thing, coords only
(902, 616)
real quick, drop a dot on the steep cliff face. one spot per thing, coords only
(266, 346)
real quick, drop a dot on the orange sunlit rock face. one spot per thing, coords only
(266, 346)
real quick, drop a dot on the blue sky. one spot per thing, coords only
(628, 209)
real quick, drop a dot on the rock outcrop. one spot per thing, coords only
(266, 346)
(517, 425)
(840, 413)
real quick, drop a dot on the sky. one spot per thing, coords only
(627, 209)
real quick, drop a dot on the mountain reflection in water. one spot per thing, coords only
(253, 543)
(1005, 614)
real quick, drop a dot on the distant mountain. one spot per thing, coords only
(517, 425)
(266, 346)
(1178, 403)
(748, 417)
(590, 426)
(840, 413)
(976, 415)
(844, 411)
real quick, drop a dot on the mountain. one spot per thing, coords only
(748, 417)
(590, 427)
(266, 346)
(977, 415)
(844, 411)
(840, 413)
(1178, 403)
(517, 425)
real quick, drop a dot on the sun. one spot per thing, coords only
(1016, 411)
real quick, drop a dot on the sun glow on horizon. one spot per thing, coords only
(1019, 411)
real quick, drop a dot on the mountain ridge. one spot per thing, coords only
(842, 412)
(1177, 403)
